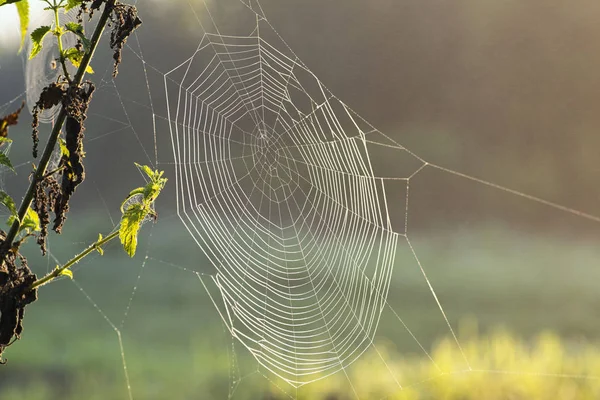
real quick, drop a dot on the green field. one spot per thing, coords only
(175, 346)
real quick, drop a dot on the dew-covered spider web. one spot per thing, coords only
(291, 225)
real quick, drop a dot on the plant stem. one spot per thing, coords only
(59, 40)
(53, 172)
(58, 271)
(60, 119)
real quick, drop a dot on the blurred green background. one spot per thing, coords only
(503, 91)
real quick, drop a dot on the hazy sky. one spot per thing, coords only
(9, 22)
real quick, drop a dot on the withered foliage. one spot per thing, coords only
(49, 194)
(73, 172)
(124, 21)
(51, 96)
(46, 195)
(15, 281)
(8, 120)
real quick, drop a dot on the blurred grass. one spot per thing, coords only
(508, 368)
(175, 346)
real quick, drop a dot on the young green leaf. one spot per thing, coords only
(66, 272)
(77, 29)
(23, 11)
(31, 222)
(72, 4)
(156, 184)
(37, 36)
(146, 169)
(3, 2)
(98, 248)
(131, 222)
(75, 56)
(4, 160)
(8, 202)
(135, 213)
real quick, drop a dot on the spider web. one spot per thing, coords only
(275, 181)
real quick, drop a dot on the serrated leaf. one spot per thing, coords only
(156, 184)
(37, 36)
(3, 2)
(147, 170)
(135, 213)
(76, 64)
(4, 160)
(31, 221)
(66, 272)
(77, 29)
(8, 202)
(72, 4)
(74, 27)
(130, 225)
(23, 11)
(75, 57)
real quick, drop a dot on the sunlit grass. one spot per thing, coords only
(503, 367)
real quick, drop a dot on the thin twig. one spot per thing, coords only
(96, 246)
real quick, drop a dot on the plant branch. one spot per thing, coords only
(58, 33)
(54, 171)
(41, 170)
(59, 270)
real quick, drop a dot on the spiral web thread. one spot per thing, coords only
(276, 185)
(288, 204)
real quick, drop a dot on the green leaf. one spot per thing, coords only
(3, 2)
(23, 10)
(66, 272)
(31, 221)
(5, 140)
(146, 169)
(4, 160)
(8, 202)
(37, 36)
(135, 213)
(72, 4)
(78, 30)
(98, 248)
(131, 222)
(75, 56)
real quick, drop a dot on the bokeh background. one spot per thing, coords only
(503, 91)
